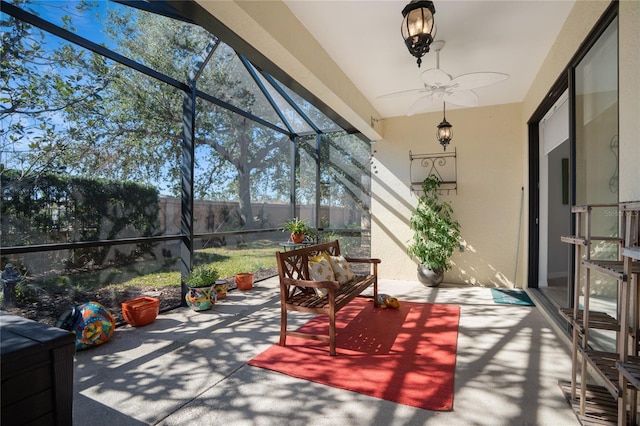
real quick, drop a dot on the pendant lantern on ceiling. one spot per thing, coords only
(418, 27)
(445, 132)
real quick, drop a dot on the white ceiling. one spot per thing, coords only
(363, 38)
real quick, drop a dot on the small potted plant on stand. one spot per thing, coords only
(201, 294)
(298, 228)
(436, 234)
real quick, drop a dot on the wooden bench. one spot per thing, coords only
(297, 290)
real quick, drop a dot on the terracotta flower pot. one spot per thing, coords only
(140, 311)
(244, 281)
(297, 238)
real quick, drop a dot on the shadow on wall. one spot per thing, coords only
(467, 266)
(397, 200)
(471, 265)
(390, 205)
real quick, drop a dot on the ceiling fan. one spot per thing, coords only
(438, 85)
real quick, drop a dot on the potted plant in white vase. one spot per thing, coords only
(436, 234)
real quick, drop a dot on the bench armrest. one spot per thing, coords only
(313, 284)
(372, 262)
(361, 260)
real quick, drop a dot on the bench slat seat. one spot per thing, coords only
(310, 302)
(297, 291)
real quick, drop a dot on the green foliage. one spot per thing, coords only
(344, 161)
(436, 232)
(296, 226)
(123, 125)
(202, 276)
(236, 158)
(256, 256)
(28, 291)
(39, 84)
(348, 241)
(75, 288)
(49, 208)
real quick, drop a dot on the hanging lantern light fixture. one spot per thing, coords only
(445, 132)
(418, 27)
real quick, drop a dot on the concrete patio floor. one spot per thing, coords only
(189, 368)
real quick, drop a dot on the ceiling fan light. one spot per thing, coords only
(418, 27)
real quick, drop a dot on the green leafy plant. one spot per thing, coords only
(38, 206)
(296, 226)
(436, 232)
(202, 276)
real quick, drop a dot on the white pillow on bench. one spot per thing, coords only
(341, 269)
(321, 270)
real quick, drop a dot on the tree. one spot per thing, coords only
(35, 94)
(241, 146)
(122, 124)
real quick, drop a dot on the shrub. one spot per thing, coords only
(202, 276)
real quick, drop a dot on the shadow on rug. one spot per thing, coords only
(407, 356)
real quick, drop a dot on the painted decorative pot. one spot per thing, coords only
(200, 298)
(91, 322)
(220, 288)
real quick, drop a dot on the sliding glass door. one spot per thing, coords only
(574, 161)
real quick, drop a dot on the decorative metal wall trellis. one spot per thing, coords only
(442, 165)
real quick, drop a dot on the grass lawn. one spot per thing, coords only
(229, 261)
(259, 255)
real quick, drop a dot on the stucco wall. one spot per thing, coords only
(487, 203)
(490, 223)
(492, 167)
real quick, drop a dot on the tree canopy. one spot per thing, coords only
(65, 108)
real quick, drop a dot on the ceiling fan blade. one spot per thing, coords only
(475, 80)
(402, 93)
(466, 98)
(419, 104)
(435, 77)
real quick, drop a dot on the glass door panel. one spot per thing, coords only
(596, 159)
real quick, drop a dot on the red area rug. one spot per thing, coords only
(406, 356)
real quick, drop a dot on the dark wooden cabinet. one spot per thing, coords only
(36, 372)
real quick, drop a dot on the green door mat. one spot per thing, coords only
(511, 297)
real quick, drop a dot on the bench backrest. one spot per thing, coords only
(294, 264)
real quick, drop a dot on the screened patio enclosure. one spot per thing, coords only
(136, 145)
